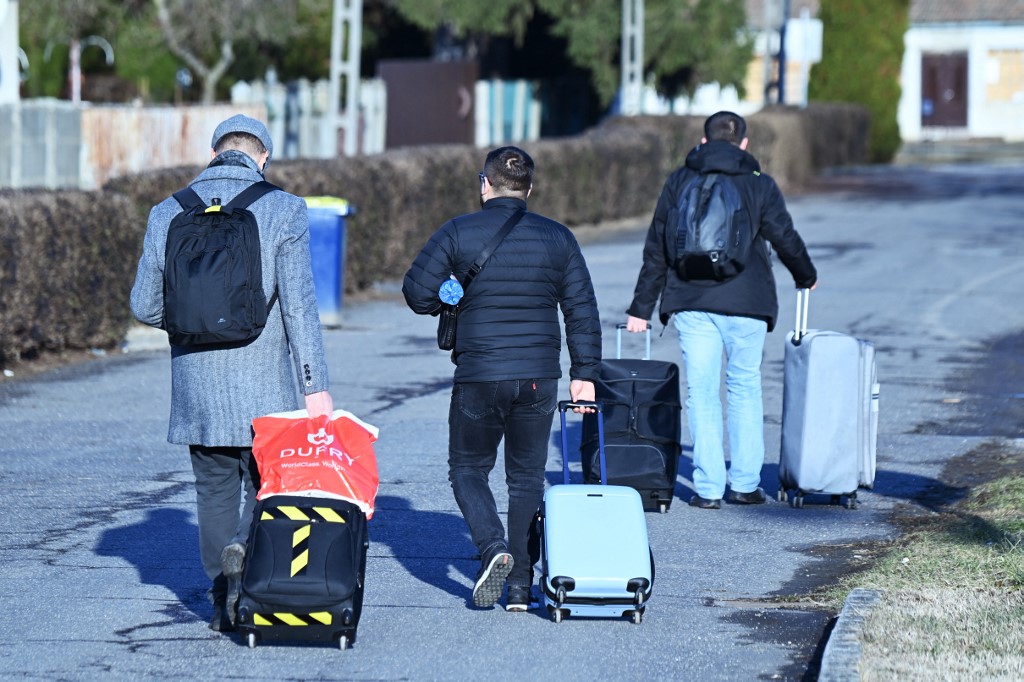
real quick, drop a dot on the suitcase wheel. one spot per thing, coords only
(849, 501)
(556, 614)
(250, 639)
(343, 642)
(782, 496)
(638, 617)
(663, 507)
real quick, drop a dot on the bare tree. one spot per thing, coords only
(203, 34)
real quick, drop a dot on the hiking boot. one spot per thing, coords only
(495, 565)
(705, 503)
(231, 560)
(756, 496)
(519, 598)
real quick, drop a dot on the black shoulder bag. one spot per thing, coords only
(448, 317)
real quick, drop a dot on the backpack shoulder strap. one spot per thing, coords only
(250, 194)
(188, 199)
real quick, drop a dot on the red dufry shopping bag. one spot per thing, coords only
(320, 457)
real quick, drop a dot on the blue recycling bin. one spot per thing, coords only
(327, 253)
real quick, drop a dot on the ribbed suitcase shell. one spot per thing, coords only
(829, 415)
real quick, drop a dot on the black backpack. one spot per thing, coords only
(213, 271)
(713, 236)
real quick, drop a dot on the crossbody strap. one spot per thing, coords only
(478, 264)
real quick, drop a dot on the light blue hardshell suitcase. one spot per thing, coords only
(596, 558)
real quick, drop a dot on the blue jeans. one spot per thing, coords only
(481, 414)
(702, 338)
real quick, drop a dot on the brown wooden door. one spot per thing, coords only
(428, 102)
(944, 90)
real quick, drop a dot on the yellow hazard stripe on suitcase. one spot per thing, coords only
(300, 550)
(293, 619)
(329, 515)
(302, 514)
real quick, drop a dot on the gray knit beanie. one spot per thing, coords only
(244, 124)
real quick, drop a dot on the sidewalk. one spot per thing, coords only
(99, 508)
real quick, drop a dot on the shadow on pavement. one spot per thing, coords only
(428, 544)
(164, 549)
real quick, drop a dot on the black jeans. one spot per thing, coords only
(481, 414)
(227, 481)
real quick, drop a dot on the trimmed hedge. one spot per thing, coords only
(67, 262)
(401, 196)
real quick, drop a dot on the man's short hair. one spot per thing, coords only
(509, 170)
(726, 126)
(243, 142)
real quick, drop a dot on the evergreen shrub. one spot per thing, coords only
(861, 60)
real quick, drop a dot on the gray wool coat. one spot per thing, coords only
(215, 394)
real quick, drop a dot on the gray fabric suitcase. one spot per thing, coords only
(829, 413)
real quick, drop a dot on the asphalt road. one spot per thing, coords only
(100, 573)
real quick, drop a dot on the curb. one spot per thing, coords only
(840, 662)
(143, 338)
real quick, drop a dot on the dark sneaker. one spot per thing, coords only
(231, 560)
(519, 598)
(756, 496)
(495, 565)
(705, 503)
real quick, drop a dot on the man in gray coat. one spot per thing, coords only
(217, 392)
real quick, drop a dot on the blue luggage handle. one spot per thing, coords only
(563, 406)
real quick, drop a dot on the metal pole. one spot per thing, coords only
(346, 46)
(75, 51)
(768, 28)
(782, 52)
(632, 57)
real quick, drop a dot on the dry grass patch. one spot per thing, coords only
(944, 634)
(953, 601)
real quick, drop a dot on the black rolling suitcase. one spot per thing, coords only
(642, 413)
(304, 570)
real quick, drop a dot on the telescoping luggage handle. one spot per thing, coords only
(618, 341)
(564, 405)
(803, 301)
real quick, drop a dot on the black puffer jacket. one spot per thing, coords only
(508, 319)
(752, 292)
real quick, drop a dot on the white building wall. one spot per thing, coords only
(985, 118)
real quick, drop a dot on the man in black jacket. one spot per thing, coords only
(506, 358)
(715, 316)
